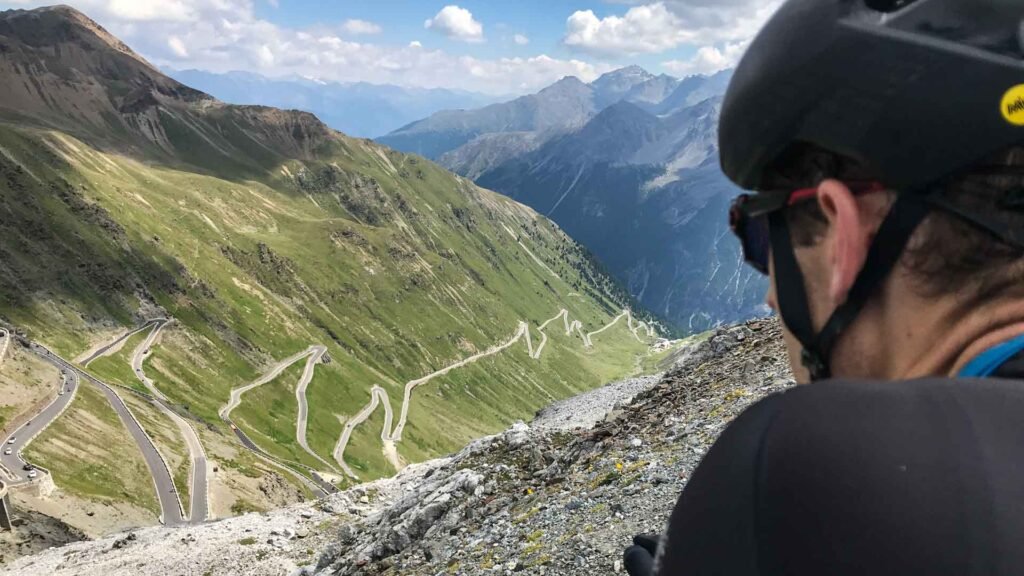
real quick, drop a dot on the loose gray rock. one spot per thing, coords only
(556, 498)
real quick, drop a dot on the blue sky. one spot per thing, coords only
(542, 21)
(490, 46)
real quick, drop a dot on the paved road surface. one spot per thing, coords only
(319, 487)
(314, 353)
(274, 372)
(380, 396)
(197, 473)
(100, 352)
(300, 396)
(170, 506)
(13, 462)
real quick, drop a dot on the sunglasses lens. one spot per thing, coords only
(757, 243)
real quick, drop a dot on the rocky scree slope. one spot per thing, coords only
(566, 502)
(545, 498)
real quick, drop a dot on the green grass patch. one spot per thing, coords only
(242, 506)
(91, 454)
(117, 368)
(396, 266)
(268, 414)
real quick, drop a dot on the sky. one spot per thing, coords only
(496, 47)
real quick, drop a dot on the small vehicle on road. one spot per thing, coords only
(7, 451)
(11, 440)
(32, 474)
(61, 393)
(28, 466)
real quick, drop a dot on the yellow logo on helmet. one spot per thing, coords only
(1013, 105)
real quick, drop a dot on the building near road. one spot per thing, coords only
(5, 509)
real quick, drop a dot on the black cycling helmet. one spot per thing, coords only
(917, 91)
(913, 89)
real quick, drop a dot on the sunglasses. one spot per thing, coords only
(748, 217)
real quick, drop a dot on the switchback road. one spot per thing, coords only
(198, 470)
(379, 395)
(102, 351)
(300, 397)
(167, 495)
(14, 463)
(313, 355)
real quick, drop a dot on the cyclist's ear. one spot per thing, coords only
(848, 238)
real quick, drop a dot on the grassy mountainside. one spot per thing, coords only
(124, 194)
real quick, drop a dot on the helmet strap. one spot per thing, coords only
(907, 213)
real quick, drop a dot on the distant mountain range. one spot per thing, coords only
(628, 165)
(358, 109)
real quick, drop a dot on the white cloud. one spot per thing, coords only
(150, 10)
(521, 39)
(415, 44)
(650, 28)
(456, 23)
(226, 35)
(708, 60)
(643, 29)
(357, 27)
(177, 47)
(265, 56)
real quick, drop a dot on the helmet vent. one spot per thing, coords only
(888, 5)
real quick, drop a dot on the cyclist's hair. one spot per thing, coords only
(946, 255)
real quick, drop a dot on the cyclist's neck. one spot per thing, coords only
(971, 334)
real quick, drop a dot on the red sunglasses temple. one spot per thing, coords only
(804, 194)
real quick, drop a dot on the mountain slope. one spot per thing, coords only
(616, 85)
(568, 103)
(637, 183)
(565, 105)
(646, 195)
(125, 195)
(357, 109)
(653, 91)
(692, 90)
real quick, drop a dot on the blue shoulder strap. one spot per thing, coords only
(990, 360)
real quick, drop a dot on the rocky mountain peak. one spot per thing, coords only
(568, 84)
(63, 70)
(614, 86)
(630, 74)
(61, 25)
